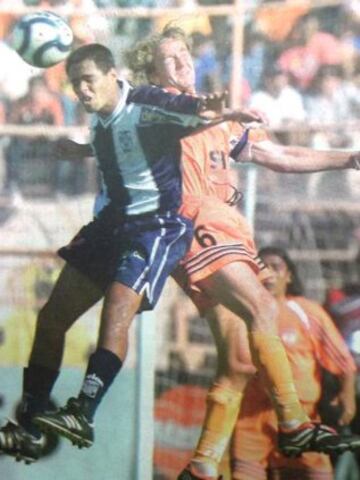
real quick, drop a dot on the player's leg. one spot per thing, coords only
(238, 288)
(72, 295)
(253, 439)
(224, 397)
(75, 420)
(142, 269)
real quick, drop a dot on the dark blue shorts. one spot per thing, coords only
(139, 252)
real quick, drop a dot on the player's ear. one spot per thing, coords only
(113, 73)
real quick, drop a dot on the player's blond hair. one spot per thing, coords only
(140, 58)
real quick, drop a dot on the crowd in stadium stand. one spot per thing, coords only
(301, 65)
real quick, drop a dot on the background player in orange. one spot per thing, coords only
(312, 342)
(222, 263)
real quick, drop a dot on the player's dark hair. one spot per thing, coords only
(101, 56)
(295, 286)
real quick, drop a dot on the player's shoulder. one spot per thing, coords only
(160, 98)
(139, 94)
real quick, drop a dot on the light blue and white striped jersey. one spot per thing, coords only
(137, 149)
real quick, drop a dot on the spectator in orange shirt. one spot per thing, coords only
(312, 342)
(39, 105)
(311, 49)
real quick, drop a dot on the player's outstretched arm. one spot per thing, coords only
(292, 159)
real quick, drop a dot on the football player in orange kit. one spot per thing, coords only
(222, 268)
(312, 342)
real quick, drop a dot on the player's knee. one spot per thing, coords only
(51, 319)
(265, 313)
(240, 367)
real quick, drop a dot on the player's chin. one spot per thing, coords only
(88, 107)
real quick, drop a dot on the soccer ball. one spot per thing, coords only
(42, 39)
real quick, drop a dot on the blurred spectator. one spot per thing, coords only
(189, 22)
(276, 21)
(38, 106)
(330, 101)
(7, 19)
(281, 103)
(254, 58)
(344, 306)
(310, 49)
(206, 64)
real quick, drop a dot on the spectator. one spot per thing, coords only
(206, 64)
(254, 58)
(38, 106)
(280, 102)
(311, 48)
(330, 99)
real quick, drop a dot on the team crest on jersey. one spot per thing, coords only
(151, 116)
(126, 141)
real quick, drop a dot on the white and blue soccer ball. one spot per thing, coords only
(42, 39)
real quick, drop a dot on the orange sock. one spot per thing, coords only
(269, 356)
(223, 405)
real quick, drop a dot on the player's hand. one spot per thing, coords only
(355, 161)
(211, 104)
(245, 115)
(347, 402)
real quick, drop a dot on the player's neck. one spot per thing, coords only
(114, 100)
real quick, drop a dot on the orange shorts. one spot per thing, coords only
(255, 450)
(221, 236)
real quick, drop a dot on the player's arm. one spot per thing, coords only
(210, 106)
(293, 159)
(158, 97)
(334, 355)
(346, 397)
(66, 149)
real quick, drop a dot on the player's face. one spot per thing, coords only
(280, 275)
(97, 91)
(174, 66)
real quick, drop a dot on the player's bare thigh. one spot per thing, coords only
(73, 294)
(237, 287)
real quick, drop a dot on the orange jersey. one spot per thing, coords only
(222, 234)
(206, 162)
(311, 341)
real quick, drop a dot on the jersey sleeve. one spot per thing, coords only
(331, 349)
(170, 126)
(158, 97)
(241, 148)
